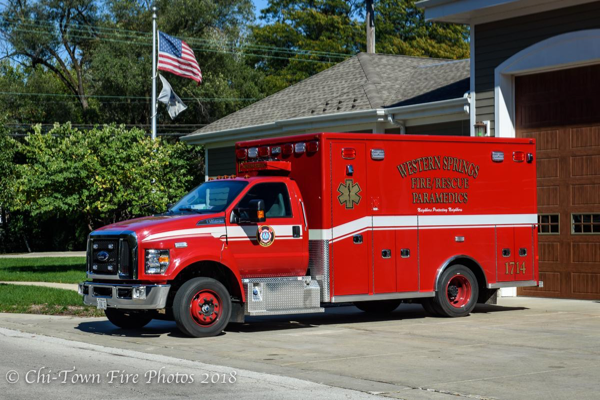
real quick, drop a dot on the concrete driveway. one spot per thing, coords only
(524, 348)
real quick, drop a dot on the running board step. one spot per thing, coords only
(285, 295)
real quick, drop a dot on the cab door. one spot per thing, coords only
(351, 233)
(280, 248)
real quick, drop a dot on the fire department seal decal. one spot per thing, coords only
(265, 235)
(349, 194)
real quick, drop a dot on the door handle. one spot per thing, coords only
(357, 239)
(295, 231)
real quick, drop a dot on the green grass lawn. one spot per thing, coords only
(47, 269)
(42, 300)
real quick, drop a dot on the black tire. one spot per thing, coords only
(202, 307)
(129, 319)
(431, 308)
(457, 292)
(378, 307)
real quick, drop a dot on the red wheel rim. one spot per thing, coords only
(205, 308)
(458, 291)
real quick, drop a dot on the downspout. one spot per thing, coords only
(395, 122)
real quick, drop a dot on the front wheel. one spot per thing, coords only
(128, 319)
(202, 307)
(457, 292)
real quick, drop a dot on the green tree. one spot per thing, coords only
(401, 29)
(49, 33)
(101, 176)
(331, 30)
(312, 36)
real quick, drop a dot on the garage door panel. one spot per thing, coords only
(585, 283)
(548, 168)
(545, 140)
(585, 253)
(548, 196)
(583, 166)
(588, 195)
(549, 252)
(585, 137)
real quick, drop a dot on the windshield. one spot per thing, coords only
(210, 197)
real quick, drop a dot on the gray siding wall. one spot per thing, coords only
(495, 42)
(221, 161)
(452, 128)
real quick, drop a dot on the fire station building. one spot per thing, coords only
(534, 72)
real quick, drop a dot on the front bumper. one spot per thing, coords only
(129, 296)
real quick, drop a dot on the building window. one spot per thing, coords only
(582, 224)
(548, 224)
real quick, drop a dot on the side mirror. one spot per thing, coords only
(254, 213)
(257, 211)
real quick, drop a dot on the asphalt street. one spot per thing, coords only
(36, 367)
(524, 348)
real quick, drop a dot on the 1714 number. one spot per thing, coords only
(510, 268)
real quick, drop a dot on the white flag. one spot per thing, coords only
(168, 96)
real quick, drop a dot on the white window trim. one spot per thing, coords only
(569, 50)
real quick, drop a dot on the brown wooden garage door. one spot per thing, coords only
(561, 110)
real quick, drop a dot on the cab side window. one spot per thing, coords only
(275, 197)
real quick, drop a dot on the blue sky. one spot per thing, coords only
(260, 4)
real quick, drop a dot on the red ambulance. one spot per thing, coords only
(316, 219)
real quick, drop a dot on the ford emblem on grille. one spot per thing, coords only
(102, 256)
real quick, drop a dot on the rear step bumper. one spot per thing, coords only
(129, 296)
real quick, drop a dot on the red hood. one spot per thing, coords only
(156, 224)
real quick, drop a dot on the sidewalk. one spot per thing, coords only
(66, 286)
(45, 254)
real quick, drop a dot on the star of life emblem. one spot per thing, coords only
(349, 194)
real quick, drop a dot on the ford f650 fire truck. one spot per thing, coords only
(316, 219)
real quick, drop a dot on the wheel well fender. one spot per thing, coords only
(209, 269)
(472, 265)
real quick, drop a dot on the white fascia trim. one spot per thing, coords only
(443, 10)
(568, 50)
(481, 12)
(322, 123)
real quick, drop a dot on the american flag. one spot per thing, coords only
(177, 57)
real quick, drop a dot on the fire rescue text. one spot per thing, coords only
(431, 163)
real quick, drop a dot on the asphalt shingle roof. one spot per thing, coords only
(363, 82)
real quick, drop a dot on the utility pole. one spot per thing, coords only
(370, 27)
(153, 109)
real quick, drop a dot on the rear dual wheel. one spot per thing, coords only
(456, 294)
(202, 307)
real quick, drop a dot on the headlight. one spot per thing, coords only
(157, 261)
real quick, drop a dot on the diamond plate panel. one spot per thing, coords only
(318, 262)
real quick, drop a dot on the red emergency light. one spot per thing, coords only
(312, 147)
(288, 149)
(241, 154)
(348, 153)
(518, 156)
(264, 151)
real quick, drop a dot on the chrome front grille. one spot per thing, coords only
(112, 255)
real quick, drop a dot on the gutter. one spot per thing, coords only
(325, 123)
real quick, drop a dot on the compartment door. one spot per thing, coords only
(524, 263)
(505, 256)
(351, 233)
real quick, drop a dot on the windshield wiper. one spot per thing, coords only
(188, 209)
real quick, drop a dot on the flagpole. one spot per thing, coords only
(153, 108)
